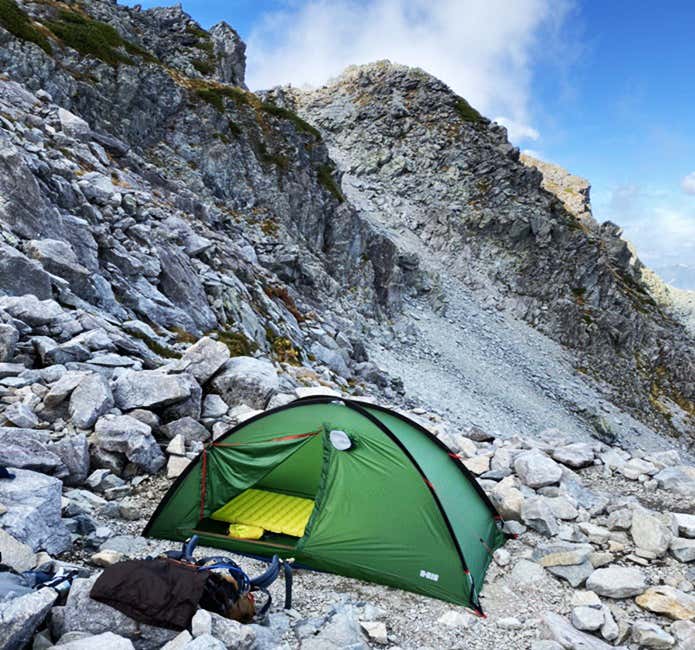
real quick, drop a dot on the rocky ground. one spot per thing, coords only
(177, 254)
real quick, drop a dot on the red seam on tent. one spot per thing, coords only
(203, 482)
(294, 436)
(456, 456)
(429, 484)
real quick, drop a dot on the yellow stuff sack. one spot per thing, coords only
(244, 531)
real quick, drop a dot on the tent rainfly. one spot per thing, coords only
(340, 486)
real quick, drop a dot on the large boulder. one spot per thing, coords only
(204, 358)
(650, 531)
(33, 503)
(537, 470)
(559, 629)
(30, 310)
(575, 455)
(677, 480)
(149, 389)
(617, 582)
(58, 258)
(91, 398)
(28, 449)
(82, 614)
(245, 380)
(20, 617)
(132, 438)
(105, 641)
(20, 276)
(73, 450)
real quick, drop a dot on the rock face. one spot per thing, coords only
(389, 127)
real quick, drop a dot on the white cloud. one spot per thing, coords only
(661, 226)
(516, 131)
(483, 49)
(688, 183)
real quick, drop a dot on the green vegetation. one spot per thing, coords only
(285, 114)
(156, 347)
(215, 96)
(325, 176)
(237, 343)
(234, 128)
(196, 31)
(205, 67)
(466, 112)
(94, 38)
(15, 21)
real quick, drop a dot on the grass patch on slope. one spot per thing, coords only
(15, 21)
(466, 112)
(94, 38)
(325, 177)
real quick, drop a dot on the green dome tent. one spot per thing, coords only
(340, 486)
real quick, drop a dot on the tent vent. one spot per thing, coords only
(340, 440)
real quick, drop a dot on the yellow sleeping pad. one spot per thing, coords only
(278, 513)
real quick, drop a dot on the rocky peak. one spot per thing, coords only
(447, 182)
(573, 191)
(231, 53)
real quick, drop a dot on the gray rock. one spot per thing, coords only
(28, 449)
(149, 389)
(232, 633)
(33, 503)
(105, 641)
(650, 635)
(558, 628)
(575, 575)
(650, 531)
(214, 406)
(9, 337)
(190, 429)
(20, 617)
(30, 310)
(89, 400)
(536, 470)
(20, 276)
(685, 524)
(340, 630)
(58, 258)
(61, 389)
(205, 642)
(617, 582)
(73, 451)
(15, 554)
(683, 549)
(82, 614)
(20, 415)
(684, 634)
(128, 436)
(678, 480)
(536, 514)
(205, 358)
(576, 455)
(586, 618)
(73, 125)
(245, 380)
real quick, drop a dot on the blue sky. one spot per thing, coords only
(604, 89)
